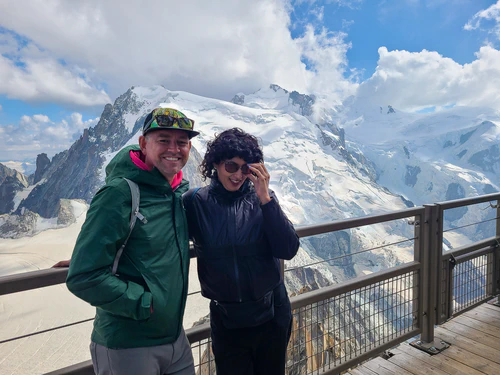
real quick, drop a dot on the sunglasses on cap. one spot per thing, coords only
(233, 167)
(166, 118)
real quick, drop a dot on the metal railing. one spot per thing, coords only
(469, 275)
(339, 326)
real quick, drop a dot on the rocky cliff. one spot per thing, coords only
(11, 182)
(77, 173)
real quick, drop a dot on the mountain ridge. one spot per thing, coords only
(326, 163)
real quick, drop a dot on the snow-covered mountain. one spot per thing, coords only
(326, 164)
(433, 157)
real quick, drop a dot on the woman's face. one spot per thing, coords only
(231, 181)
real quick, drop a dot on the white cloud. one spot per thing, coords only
(28, 73)
(319, 13)
(41, 118)
(341, 3)
(214, 48)
(71, 50)
(36, 134)
(63, 53)
(325, 53)
(415, 80)
(0, 107)
(490, 14)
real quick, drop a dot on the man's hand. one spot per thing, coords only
(260, 178)
(62, 263)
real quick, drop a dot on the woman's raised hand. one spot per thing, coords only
(260, 178)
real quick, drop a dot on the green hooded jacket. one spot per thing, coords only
(153, 268)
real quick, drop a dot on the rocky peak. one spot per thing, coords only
(330, 141)
(238, 99)
(11, 182)
(337, 143)
(6, 172)
(42, 164)
(276, 88)
(305, 102)
(66, 215)
(74, 173)
(17, 226)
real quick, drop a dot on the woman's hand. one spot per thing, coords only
(260, 178)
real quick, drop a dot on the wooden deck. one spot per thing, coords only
(475, 349)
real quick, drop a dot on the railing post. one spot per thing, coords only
(496, 254)
(418, 250)
(442, 296)
(429, 274)
(492, 271)
(493, 267)
(498, 219)
(429, 256)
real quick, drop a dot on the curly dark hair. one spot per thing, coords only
(230, 143)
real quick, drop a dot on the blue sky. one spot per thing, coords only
(398, 25)
(63, 61)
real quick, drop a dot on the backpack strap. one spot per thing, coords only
(188, 196)
(134, 215)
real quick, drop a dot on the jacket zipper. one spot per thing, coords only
(236, 270)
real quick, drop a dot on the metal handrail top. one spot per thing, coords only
(53, 276)
(468, 201)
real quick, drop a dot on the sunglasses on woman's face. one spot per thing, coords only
(233, 167)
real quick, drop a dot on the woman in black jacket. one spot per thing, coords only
(240, 233)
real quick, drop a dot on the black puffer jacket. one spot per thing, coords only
(238, 241)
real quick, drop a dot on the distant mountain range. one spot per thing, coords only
(326, 163)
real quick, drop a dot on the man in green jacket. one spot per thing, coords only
(139, 309)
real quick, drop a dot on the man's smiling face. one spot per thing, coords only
(167, 150)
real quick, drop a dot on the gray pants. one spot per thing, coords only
(175, 358)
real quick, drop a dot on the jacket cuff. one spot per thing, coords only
(134, 303)
(269, 205)
(145, 310)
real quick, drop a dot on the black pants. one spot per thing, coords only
(257, 350)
